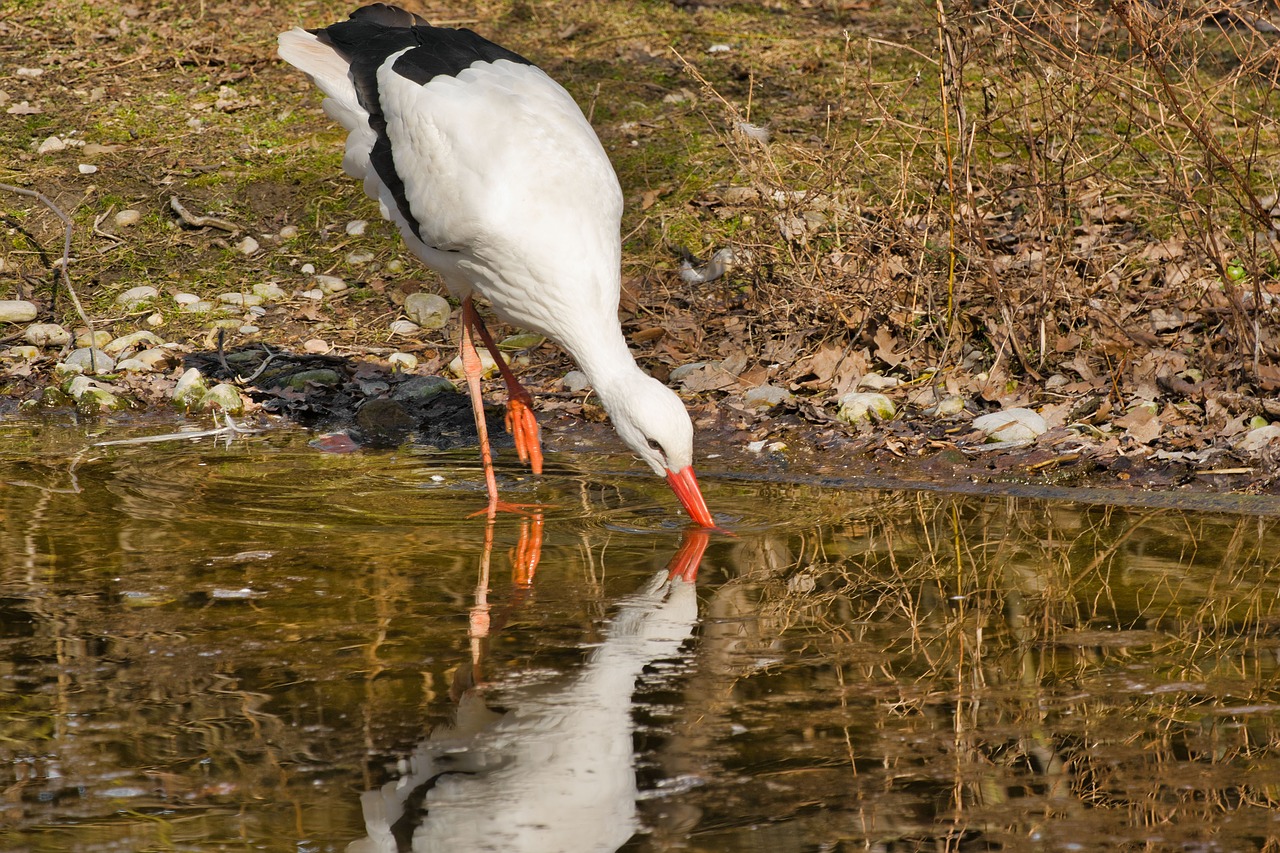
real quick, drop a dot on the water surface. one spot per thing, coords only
(266, 647)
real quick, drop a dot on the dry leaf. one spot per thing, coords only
(1141, 424)
(709, 377)
(884, 347)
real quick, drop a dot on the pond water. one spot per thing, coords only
(264, 647)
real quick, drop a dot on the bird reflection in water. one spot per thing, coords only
(555, 772)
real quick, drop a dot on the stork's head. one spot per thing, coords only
(654, 423)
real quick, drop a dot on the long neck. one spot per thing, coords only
(609, 365)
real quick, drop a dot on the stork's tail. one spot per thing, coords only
(329, 70)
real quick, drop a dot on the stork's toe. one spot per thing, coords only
(523, 426)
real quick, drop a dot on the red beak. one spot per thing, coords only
(685, 485)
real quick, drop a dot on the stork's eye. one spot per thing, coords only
(653, 445)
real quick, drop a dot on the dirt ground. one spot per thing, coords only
(964, 209)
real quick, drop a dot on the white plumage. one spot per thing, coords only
(498, 183)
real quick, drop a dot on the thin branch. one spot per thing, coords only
(66, 258)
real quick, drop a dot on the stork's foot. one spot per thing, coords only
(523, 426)
(528, 551)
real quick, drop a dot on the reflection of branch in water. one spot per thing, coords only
(555, 772)
(228, 431)
(71, 476)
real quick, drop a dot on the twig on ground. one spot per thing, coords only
(245, 380)
(194, 221)
(66, 257)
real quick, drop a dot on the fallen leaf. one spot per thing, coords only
(1141, 424)
(885, 342)
(710, 377)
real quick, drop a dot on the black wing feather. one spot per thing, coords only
(374, 33)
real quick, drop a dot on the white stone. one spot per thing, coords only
(765, 396)
(46, 335)
(949, 406)
(404, 327)
(185, 298)
(1015, 424)
(864, 407)
(155, 358)
(223, 397)
(156, 319)
(133, 365)
(246, 299)
(91, 397)
(102, 363)
(126, 342)
(356, 227)
(288, 232)
(98, 339)
(330, 283)
(248, 329)
(876, 382)
(190, 388)
(127, 218)
(77, 387)
(395, 267)
(247, 246)
(359, 259)
(135, 295)
(575, 381)
(87, 168)
(51, 145)
(200, 306)
(25, 352)
(488, 367)
(317, 294)
(17, 311)
(308, 269)
(269, 291)
(402, 361)
(427, 309)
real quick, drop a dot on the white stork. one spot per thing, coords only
(499, 184)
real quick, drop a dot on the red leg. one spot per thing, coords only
(521, 422)
(472, 369)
